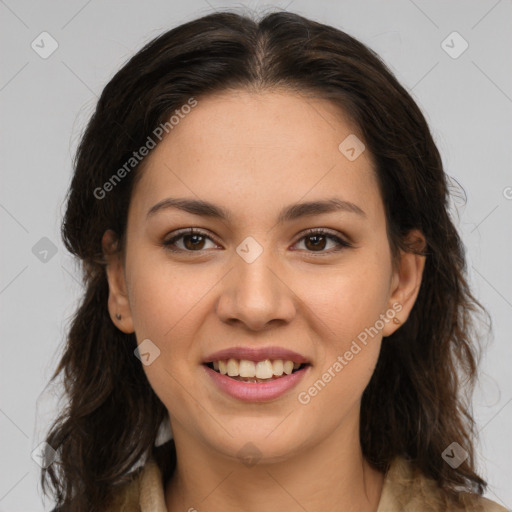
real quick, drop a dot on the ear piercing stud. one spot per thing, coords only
(118, 316)
(396, 321)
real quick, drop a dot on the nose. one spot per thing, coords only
(256, 295)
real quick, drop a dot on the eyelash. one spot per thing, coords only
(343, 244)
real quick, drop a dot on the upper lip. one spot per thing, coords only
(256, 354)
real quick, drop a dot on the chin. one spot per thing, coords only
(264, 443)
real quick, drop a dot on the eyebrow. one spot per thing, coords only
(290, 213)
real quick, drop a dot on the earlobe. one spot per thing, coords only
(118, 303)
(406, 282)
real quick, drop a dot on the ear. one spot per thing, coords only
(406, 282)
(118, 305)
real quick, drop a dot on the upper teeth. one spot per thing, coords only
(261, 369)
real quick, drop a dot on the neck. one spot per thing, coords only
(332, 475)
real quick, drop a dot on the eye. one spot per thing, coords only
(316, 240)
(194, 240)
(190, 239)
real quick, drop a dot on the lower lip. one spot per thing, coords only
(256, 391)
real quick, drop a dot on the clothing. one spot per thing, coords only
(405, 489)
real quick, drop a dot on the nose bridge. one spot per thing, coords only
(253, 293)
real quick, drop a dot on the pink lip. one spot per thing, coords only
(256, 391)
(256, 354)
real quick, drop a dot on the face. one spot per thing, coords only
(255, 278)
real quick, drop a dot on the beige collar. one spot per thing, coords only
(405, 489)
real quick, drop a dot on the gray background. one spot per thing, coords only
(45, 103)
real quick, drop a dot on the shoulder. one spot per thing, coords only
(491, 506)
(126, 497)
(406, 489)
(144, 492)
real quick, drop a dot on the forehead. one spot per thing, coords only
(263, 147)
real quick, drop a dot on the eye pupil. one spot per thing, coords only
(194, 245)
(319, 243)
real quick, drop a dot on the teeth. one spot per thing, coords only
(277, 366)
(288, 367)
(223, 367)
(260, 370)
(232, 367)
(247, 369)
(264, 369)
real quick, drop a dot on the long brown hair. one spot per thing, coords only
(414, 405)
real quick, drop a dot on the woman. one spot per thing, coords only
(272, 273)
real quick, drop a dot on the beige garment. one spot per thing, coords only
(405, 490)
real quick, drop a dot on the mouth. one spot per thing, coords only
(256, 381)
(244, 370)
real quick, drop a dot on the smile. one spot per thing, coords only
(255, 381)
(254, 371)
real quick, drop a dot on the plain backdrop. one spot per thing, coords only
(465, 94)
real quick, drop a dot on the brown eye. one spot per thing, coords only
(192, 242)
(187, 241)
(317, 240)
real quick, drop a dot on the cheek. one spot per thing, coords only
(348, 334)
(163, 295)
(350, 298)
(349, 304)
(165, 303)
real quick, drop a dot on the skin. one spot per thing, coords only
(254, 154)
